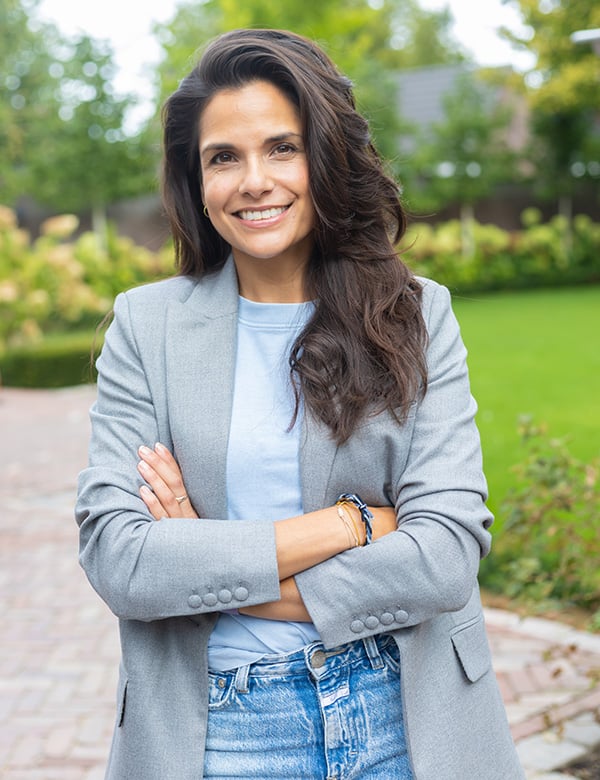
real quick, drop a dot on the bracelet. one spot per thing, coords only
(349, 525)
(365, 514)
(343, 506)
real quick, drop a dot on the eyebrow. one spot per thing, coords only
(220, 146)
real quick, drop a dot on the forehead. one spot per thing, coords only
(251, 106)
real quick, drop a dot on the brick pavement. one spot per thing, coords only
(59, 644)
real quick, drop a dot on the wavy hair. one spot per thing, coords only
(363, 351)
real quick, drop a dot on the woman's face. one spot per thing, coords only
(255, 177)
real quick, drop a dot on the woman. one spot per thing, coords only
(272, 624)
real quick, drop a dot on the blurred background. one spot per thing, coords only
(489, 117)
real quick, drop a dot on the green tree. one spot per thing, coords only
(463, 159)
(88, 161)
(61, 123)
(26, 92)
(368, 40)
(562, 89)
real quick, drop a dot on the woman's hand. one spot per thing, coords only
(166, 495)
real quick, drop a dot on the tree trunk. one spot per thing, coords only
(99, 223)
(565, 210)
(467, 219)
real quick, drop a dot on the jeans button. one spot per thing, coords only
(317, 659)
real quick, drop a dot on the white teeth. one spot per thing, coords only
(253, 216)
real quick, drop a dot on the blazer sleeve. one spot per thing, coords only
(430, 564)
(144, 569)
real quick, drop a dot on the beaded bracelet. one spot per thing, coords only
(365, 514)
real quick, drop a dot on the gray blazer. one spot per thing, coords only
(166, 374)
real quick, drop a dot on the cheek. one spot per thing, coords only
(303, 178)
(303, 186)
(214, 192)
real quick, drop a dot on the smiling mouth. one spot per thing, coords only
(252, 215)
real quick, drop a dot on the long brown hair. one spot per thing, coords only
(363, 350)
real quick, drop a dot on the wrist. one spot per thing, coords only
(352, 523)
(348, 500)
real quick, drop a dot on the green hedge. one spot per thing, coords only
(61, 360)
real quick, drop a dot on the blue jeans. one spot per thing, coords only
(314, 714)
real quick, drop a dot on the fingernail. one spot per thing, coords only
(145, 490)
(142, 466)
(143, 450)
(160, 448)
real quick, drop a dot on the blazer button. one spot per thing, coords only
(387, 618)
(357, 626)
(401, 616)
(372, 622)
(317, 659)
(225, 596)
(241, 594)
(194, 601)
(209, 599)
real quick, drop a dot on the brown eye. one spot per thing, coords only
(283, 149)
(221, 158)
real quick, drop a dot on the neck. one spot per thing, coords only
(267, 282)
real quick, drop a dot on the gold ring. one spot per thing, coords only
(180, 499)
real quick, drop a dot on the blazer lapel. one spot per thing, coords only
(317, 454)
(200, 363)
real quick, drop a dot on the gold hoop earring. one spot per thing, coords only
(205, 212)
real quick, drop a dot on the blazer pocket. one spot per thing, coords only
(121, 699)
(472, 648)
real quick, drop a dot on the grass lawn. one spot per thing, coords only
(536, 353)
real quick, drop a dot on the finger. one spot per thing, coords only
(165, 455)
(159, 487)
(172, 504)
(165, 465)
(155, 507)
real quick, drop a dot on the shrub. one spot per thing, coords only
(62, 360)
(57, 284)
(554, 253)
(550, 544)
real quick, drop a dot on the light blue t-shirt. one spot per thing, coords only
(263, 470)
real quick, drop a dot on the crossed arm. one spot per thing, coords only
(301, 542)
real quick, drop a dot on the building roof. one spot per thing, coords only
(421, 92)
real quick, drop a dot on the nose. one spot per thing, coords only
(256, 178)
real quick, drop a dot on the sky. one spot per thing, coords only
(128, 26)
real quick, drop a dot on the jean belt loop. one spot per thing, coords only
(241, 678)
(370, 643)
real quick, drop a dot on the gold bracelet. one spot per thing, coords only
(346, 506)
(349, 526)
(344, 519)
